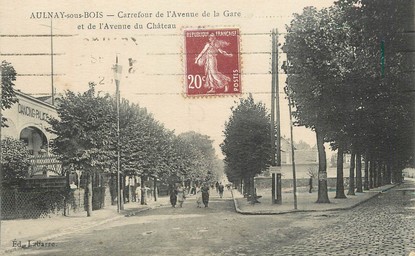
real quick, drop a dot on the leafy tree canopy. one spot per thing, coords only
(85, 131)
(14, 161)
(247, 146)
(8, 96)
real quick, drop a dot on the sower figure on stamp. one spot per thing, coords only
(207, 57)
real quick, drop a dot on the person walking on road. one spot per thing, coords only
(138, 194)
(180, 195)
(220, 189)
(173, 196)
(205, 195)
(198, 196)
(144, 195)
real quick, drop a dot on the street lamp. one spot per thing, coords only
(117, 77)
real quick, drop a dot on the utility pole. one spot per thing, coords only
(273, 162)
(277, 103)
(117, 75)
(292, 156)
(51, 62)
(275, 122)
(286, 67)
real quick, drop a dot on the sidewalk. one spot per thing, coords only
(306, 202)
(49, 228)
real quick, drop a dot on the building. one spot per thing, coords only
(27, 121)
(308, 155)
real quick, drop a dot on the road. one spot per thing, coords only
(383, 226)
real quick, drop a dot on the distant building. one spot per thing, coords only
(302, 156)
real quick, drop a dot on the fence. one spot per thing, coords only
(34, 203)
(41, 164)
(45, 202)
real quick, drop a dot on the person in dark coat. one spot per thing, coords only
(205, 194)
(173, 196)
(310, 184)
(221, 188)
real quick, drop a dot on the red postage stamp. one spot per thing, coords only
(212, 62)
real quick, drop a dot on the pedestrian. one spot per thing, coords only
(198, 194)
(310, 183)
(173, 196)
(221, 188)
(205, 194)
(144, 194)
(180, 195)
(137, 194)
(217, 186)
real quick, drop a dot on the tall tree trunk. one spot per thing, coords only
(359, 187)
(249, 187)
(323, 196)
(371, 171)
(366, 185)
(394, 176)
(88, 192)
(389, 172)
(241, 186)
(253, 186)
(113, 188)
(143, 191)
(376, 174)
(122, 187)
(67, 195)
(351, 174)
(155, 188)
(246, 187)
(340, 179)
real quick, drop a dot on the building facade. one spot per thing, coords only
(27, 121)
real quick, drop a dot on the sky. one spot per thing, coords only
(83, 53)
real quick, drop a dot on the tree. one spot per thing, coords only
(309, 78)
(341, 86)
(8, 96)
(247, 147)
(145, 144)
(85, 135)
(381, 114)
(204, 157)
(15, 163)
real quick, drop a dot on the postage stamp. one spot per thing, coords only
(212, 62)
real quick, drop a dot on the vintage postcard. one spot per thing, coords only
(207, 127)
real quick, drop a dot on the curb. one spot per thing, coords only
(81, 227)
(375, 194)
